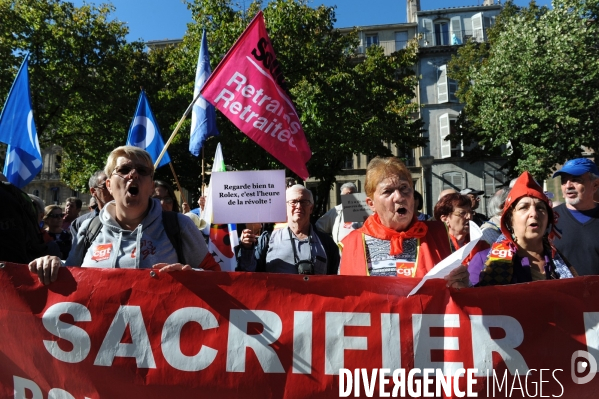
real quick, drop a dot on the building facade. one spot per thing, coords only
(441, 164)
(441, 32)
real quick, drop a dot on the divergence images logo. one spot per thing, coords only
(581, 363)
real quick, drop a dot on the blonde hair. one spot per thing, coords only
(381, 168)
(128, 151)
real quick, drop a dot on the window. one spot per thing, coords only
(453, 180)
(448, 148)
(349, 162)
(456, 31)
(441, 33)
(406, 154)
(446, 87)
(401, 40)
(372, 40)
(494, 179)
(427, 32)
(480, 24)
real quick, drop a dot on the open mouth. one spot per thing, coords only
(133, 190)
(402, 211)
(533, 225)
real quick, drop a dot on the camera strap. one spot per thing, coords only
(295, 257)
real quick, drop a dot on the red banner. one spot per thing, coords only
(248, 87)
(112, 333)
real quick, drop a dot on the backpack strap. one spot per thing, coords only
(173, 232)
(171, 228)
(93, 229)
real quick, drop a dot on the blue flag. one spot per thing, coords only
(145, 133)
(17, 129)
(203, 114)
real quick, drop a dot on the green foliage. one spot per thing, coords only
(345, 107)
(533, 86)
(85, 80)
(84, 77)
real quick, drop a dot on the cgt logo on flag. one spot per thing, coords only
(248, 87)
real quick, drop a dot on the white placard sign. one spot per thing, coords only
(248, 196)
(355, 208)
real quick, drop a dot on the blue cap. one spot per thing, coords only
(577, 167)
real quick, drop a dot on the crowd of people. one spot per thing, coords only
(136, 222)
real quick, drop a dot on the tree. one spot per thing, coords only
(345, 107)
(530, 93)
(84, 77)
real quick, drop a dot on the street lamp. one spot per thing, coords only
(426, 161)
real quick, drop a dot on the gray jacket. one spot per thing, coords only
(141, 248)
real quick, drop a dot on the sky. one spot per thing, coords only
(168, 19)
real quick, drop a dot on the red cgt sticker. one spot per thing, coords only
(102, 252)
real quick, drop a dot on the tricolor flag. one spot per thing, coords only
(145, 133)
(17, 129)
(203, 114)
(248, 87)
(223, 237)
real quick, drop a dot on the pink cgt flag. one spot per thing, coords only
(249, 88)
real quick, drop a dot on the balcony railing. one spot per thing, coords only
(47, 176)
(454, 39)
(388, 47)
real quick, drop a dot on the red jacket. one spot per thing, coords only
(432, 247)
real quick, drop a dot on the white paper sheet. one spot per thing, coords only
(454, 260)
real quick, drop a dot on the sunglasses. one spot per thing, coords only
(56, 215)
(125, 170)
(94, 207)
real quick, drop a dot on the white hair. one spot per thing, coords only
(299, 189)
(349, 186)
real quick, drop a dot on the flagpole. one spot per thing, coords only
(183, 199)
(203, 174)
(187, 111)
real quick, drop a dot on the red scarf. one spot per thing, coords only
(374, 228)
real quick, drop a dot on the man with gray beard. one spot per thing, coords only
(578, 218)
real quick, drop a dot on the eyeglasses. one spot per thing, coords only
(125, 170)
(56, 215)
(103, 186)
(295, 203)
(463, 214)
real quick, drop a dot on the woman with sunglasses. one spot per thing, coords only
(166, 195)
(455, 210)
(133, 233)
(53, 220)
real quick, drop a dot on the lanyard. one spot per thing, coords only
(295, 257)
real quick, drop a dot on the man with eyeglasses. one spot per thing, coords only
(101, 195)
(578, 218)
(473, 194)
(296, 249)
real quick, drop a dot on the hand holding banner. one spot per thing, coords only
(454, 260)
(248, 87)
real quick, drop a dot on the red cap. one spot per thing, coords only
(525, 186)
